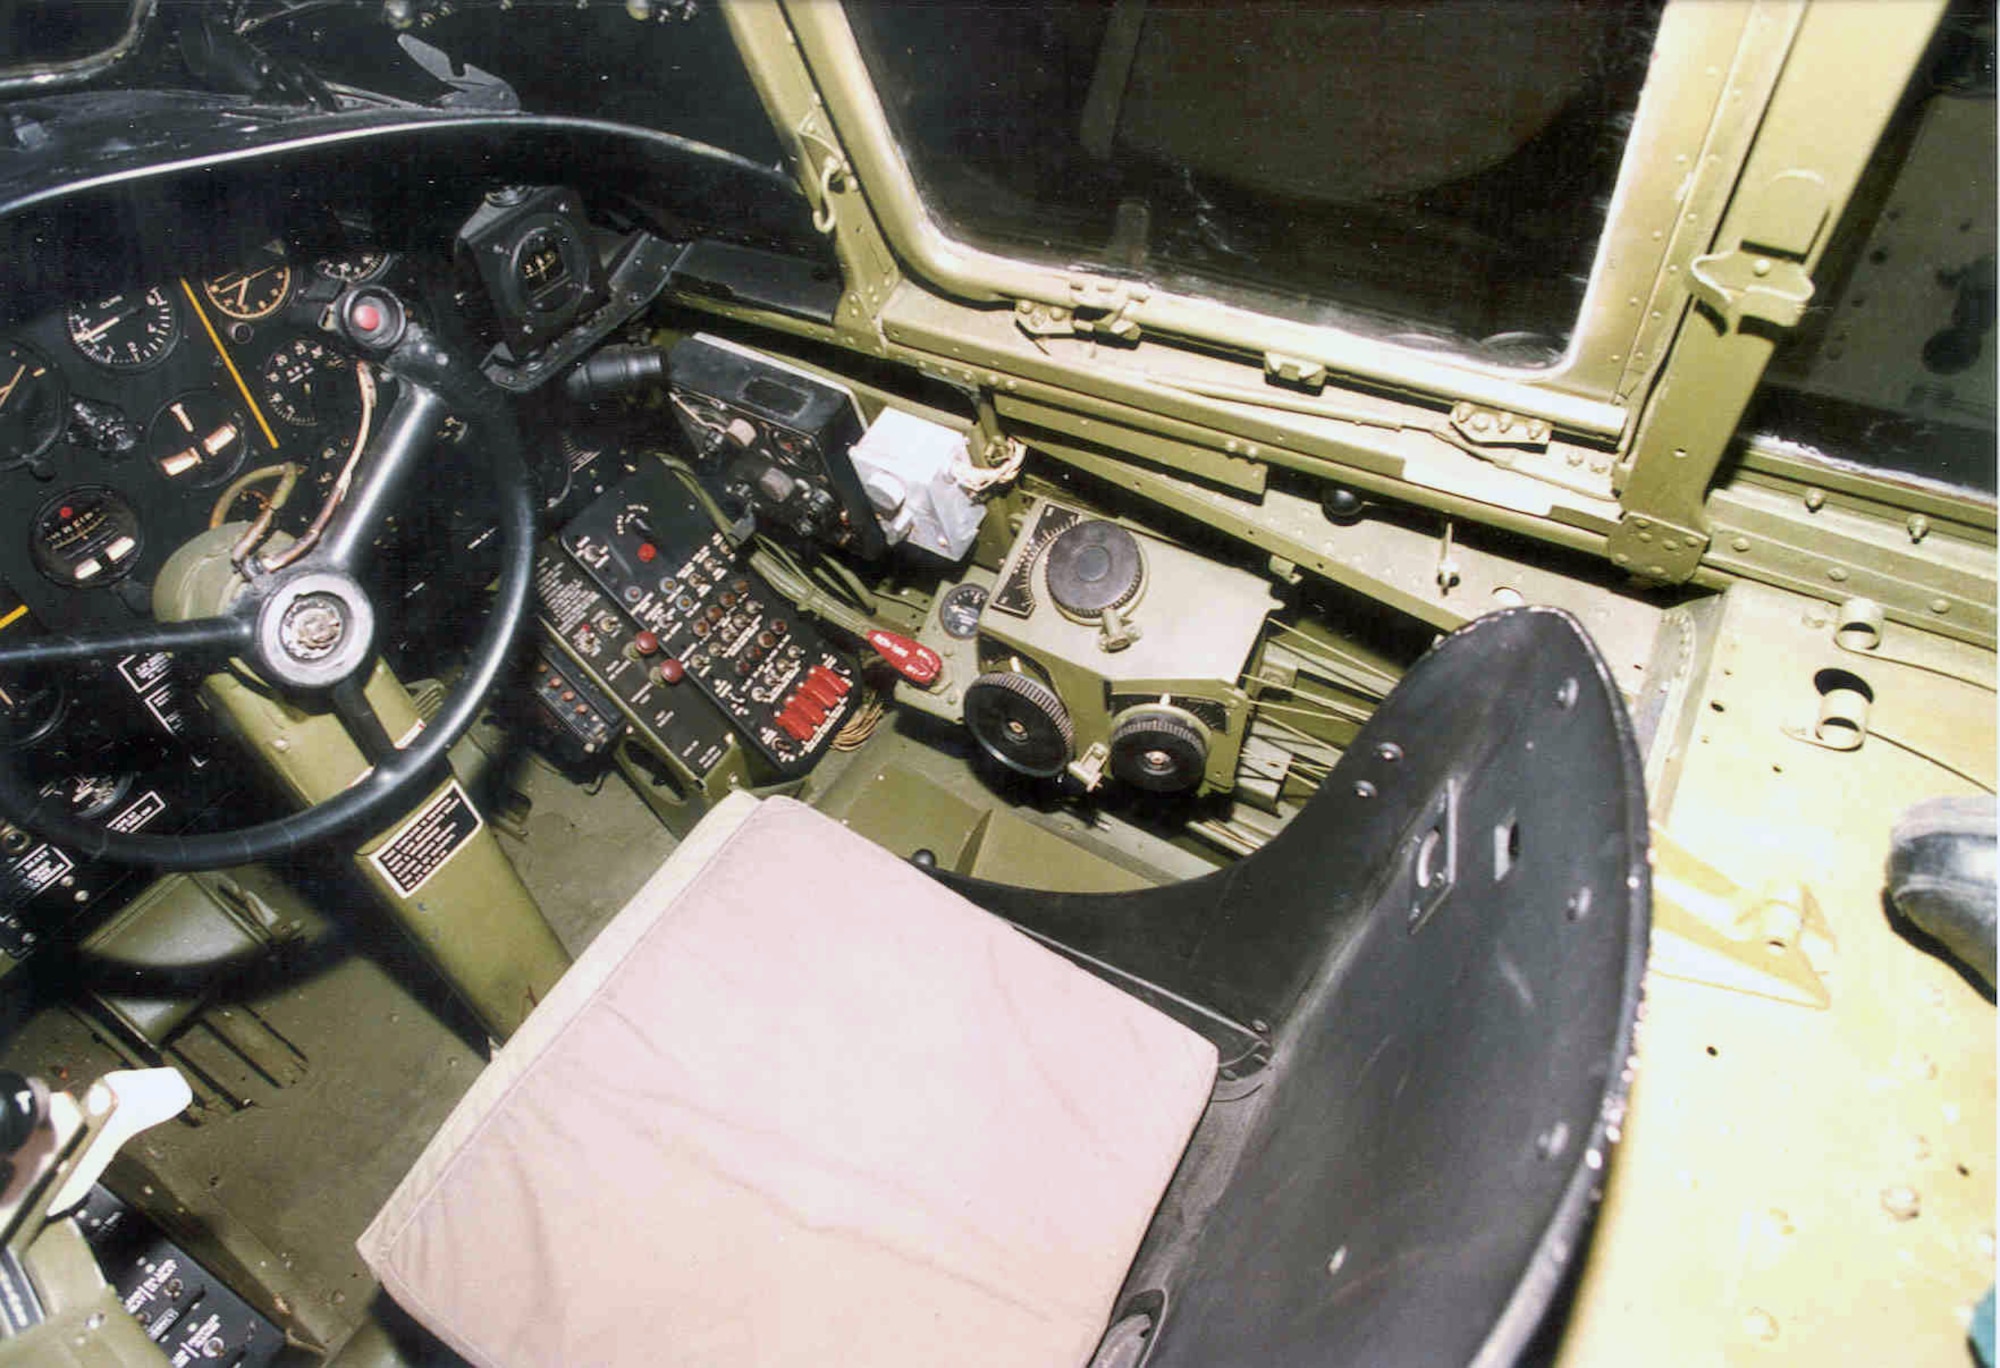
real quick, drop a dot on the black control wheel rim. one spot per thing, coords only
(393, 783)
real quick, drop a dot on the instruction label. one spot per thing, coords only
(427, 840)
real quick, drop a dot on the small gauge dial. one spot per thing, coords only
(128, 331)
(353, 269)
(89, 795)
(200, 439)
(306, 383)
(84, 536)
(959, 610)
(34, 404)
(255, 292)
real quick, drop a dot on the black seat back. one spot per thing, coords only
(1424, 990)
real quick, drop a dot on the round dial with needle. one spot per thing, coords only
(250, 294)
(34, 404)
(306, 383)
(128, 331)
(352, 270)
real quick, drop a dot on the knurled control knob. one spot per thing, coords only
(24, 1102)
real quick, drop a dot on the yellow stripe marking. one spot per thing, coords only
(229, 363)
(19, 612)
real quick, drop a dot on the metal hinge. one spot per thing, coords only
(1095, 305)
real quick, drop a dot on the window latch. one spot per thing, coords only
(1764, 275)
(1095, 305)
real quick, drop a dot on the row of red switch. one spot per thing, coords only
(818, 694)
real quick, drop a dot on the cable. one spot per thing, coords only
(364, 376)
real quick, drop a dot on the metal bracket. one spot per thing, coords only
(1295, 370)
(1764, 276)
(827, 170)
(1707, 928)
(1487, 427)
(1740, 284)
(1096, 305)
(1656, 548)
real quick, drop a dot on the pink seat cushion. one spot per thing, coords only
(799, 1104)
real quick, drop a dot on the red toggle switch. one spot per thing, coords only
(805, 707)
(912, 660)
(830, 679)
(819, 691)
(795, 726)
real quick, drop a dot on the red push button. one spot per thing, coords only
(367, 317)
(671, 671)
(646, 643)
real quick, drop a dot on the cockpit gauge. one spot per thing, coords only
(84, 536)
(34, 404)
(128, 331)
(353, 269)
(253, 293)
(199, 439)
(306, 383)
(89, 795)
(31, 704)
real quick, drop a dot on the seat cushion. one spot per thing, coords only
(798, 1104)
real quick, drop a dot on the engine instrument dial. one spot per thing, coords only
(86, 535)
(250, 294)
(128, 331)
(199, 439)
(34, 404)
(305, 382)
(353, 269)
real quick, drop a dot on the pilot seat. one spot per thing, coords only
(1348, 1100)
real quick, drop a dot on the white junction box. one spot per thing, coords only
(909, 468)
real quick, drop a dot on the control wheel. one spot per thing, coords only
(1158, 752)
(1019, 721)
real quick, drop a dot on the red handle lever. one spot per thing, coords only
(912, 660)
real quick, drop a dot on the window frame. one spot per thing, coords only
(1691, 132)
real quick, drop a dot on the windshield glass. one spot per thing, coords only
(1892, 370)
(1437, 173)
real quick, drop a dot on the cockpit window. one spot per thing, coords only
(1892, 370)
(1435, 173)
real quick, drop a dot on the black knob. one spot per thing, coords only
(23, 1104)
(1342, 505)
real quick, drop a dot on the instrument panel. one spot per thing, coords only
(123, 419)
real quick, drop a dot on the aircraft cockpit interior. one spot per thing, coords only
(1044, 683)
